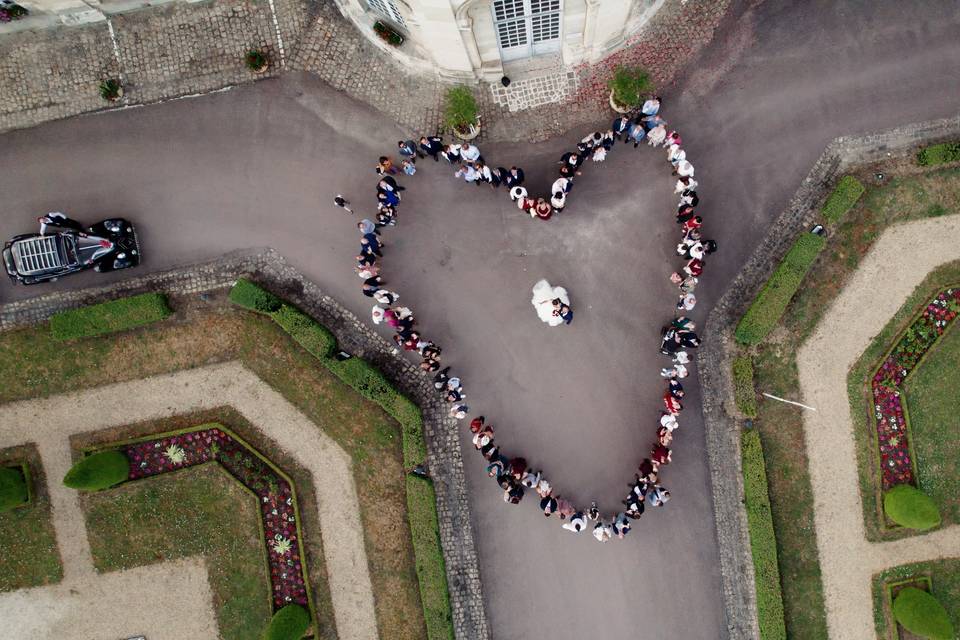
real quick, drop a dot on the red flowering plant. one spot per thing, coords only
(274, 495)
(896, 463)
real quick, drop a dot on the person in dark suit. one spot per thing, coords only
(432, 146)
(514, 177)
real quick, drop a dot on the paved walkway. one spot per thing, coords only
(847, 559)
(53, 420)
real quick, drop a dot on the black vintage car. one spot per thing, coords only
(68, 247)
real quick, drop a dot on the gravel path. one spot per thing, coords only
(49, 422)
(847, 559)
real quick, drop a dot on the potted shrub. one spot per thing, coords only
(111, 90)
(256, 60)
(627, 88)
(387, 34)
(461, 112)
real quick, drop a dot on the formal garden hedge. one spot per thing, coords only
(909, 507)
(289, 623)
(939, 154)
(744, 394)
(98, 471)
(108, 317)
(14, 487)
(370, 382)
(844, 196)
(922, 614)
(769, 305)
(763, 542)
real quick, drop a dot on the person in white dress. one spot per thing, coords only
(543, 296)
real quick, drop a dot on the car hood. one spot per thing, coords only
(91, 248)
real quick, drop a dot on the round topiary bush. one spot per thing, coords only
(13, 488)
(289, 623)
(909, 507)
(98, 471)
(922, 614)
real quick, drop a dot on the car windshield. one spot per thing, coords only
(68, 249)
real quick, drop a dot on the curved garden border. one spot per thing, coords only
(587, 155)
(279, 522)
(891, 421)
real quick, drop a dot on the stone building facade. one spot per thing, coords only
(487, 39)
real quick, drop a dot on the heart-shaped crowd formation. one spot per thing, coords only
(513, 474)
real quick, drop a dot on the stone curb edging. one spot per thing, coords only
(720, 425)
(268, 267)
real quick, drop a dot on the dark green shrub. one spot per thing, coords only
(909, 507)
(253, 297)
(13, 488)
(256, 60)
(431, 568)
(743, 391)
(108, 317)
(98, 471)
(289, 623)
(763, 541)
(307, 332)
(844, 196)
(111, 89)
(939, 154)
(629, 85)
(770, 304)
(922, 614)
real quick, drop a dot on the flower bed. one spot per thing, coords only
(887, 385)
(275, 494)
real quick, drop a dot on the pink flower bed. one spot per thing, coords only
(896, 463)
(274, 494)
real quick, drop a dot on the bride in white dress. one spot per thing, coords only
(543, 296)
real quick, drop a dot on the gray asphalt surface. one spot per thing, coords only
(258, 166)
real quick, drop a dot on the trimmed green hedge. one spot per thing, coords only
(922, 614)
(770, 304)
(98, 471)
(431, 568)
(743, 391)
(939, 154)
(108, 317)
(763, 541)
(289, 623)
(13, 488)
(369, 382)
(309, 334)
(844, 196)
(909, 507)
(250, 296)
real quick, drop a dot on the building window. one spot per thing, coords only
(388, 9)
(527, 27)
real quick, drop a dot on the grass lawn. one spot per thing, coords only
(781, 426)
(29, 556)
(201, 333)
(945, 579)
(933, 401)
(200, 511)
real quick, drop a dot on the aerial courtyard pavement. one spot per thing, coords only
(847, 559)
(172, 600)
(257, 167)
